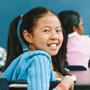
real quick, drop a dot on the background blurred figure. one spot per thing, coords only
(76, 47)
(2, 57)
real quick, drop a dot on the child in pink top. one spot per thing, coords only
(76, 47)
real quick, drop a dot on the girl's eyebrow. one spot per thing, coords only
(49, 27)
(58, 27)
(45, 27)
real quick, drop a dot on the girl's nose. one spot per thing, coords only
(53, 35)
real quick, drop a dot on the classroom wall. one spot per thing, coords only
(9, 9)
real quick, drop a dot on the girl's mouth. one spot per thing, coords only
(53, 46)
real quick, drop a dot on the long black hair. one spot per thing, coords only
(29, 20)
(68, 19)
(59, 60)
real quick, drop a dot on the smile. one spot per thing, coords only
(53, 46)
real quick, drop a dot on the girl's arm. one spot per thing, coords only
(39, 73)
(66, 84)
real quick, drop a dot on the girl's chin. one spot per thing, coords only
(53, 53)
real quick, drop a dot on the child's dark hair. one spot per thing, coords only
(29, 20)
(68, 19)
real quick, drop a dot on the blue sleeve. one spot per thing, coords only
(8, 73)
(39, 73)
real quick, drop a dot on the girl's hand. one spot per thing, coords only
(67, 81)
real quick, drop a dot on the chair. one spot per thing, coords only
(19, 84)
(22, 85)
(4, 84)
(76, 68)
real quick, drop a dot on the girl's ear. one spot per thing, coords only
(75, 29)
(27, 36)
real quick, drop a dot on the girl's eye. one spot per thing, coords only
(46, 30)
(58, 30)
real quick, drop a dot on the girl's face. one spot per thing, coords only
(80, 27)
(47, 35)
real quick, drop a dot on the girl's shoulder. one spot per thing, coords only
(85, 38)
(30, 55)
(35, 53)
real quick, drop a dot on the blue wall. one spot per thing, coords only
(12, 8)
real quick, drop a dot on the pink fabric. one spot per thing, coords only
(78, 50)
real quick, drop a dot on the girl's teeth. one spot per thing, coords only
(53, 45)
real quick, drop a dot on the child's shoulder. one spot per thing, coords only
(35, 54)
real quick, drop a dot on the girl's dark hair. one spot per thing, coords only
(68, 20)
(29, 20)
(59, 63)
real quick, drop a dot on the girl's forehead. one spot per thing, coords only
(48, 17)
(48, 14)
(50, 21)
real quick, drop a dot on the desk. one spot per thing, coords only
(22, 85)
(82, 76)
(83, 79)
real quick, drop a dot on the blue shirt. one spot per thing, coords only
(33, 66)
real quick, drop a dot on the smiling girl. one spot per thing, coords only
(41, 31)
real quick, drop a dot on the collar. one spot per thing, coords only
(72, 34)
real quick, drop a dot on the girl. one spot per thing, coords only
(41, 31)
(76, 47)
